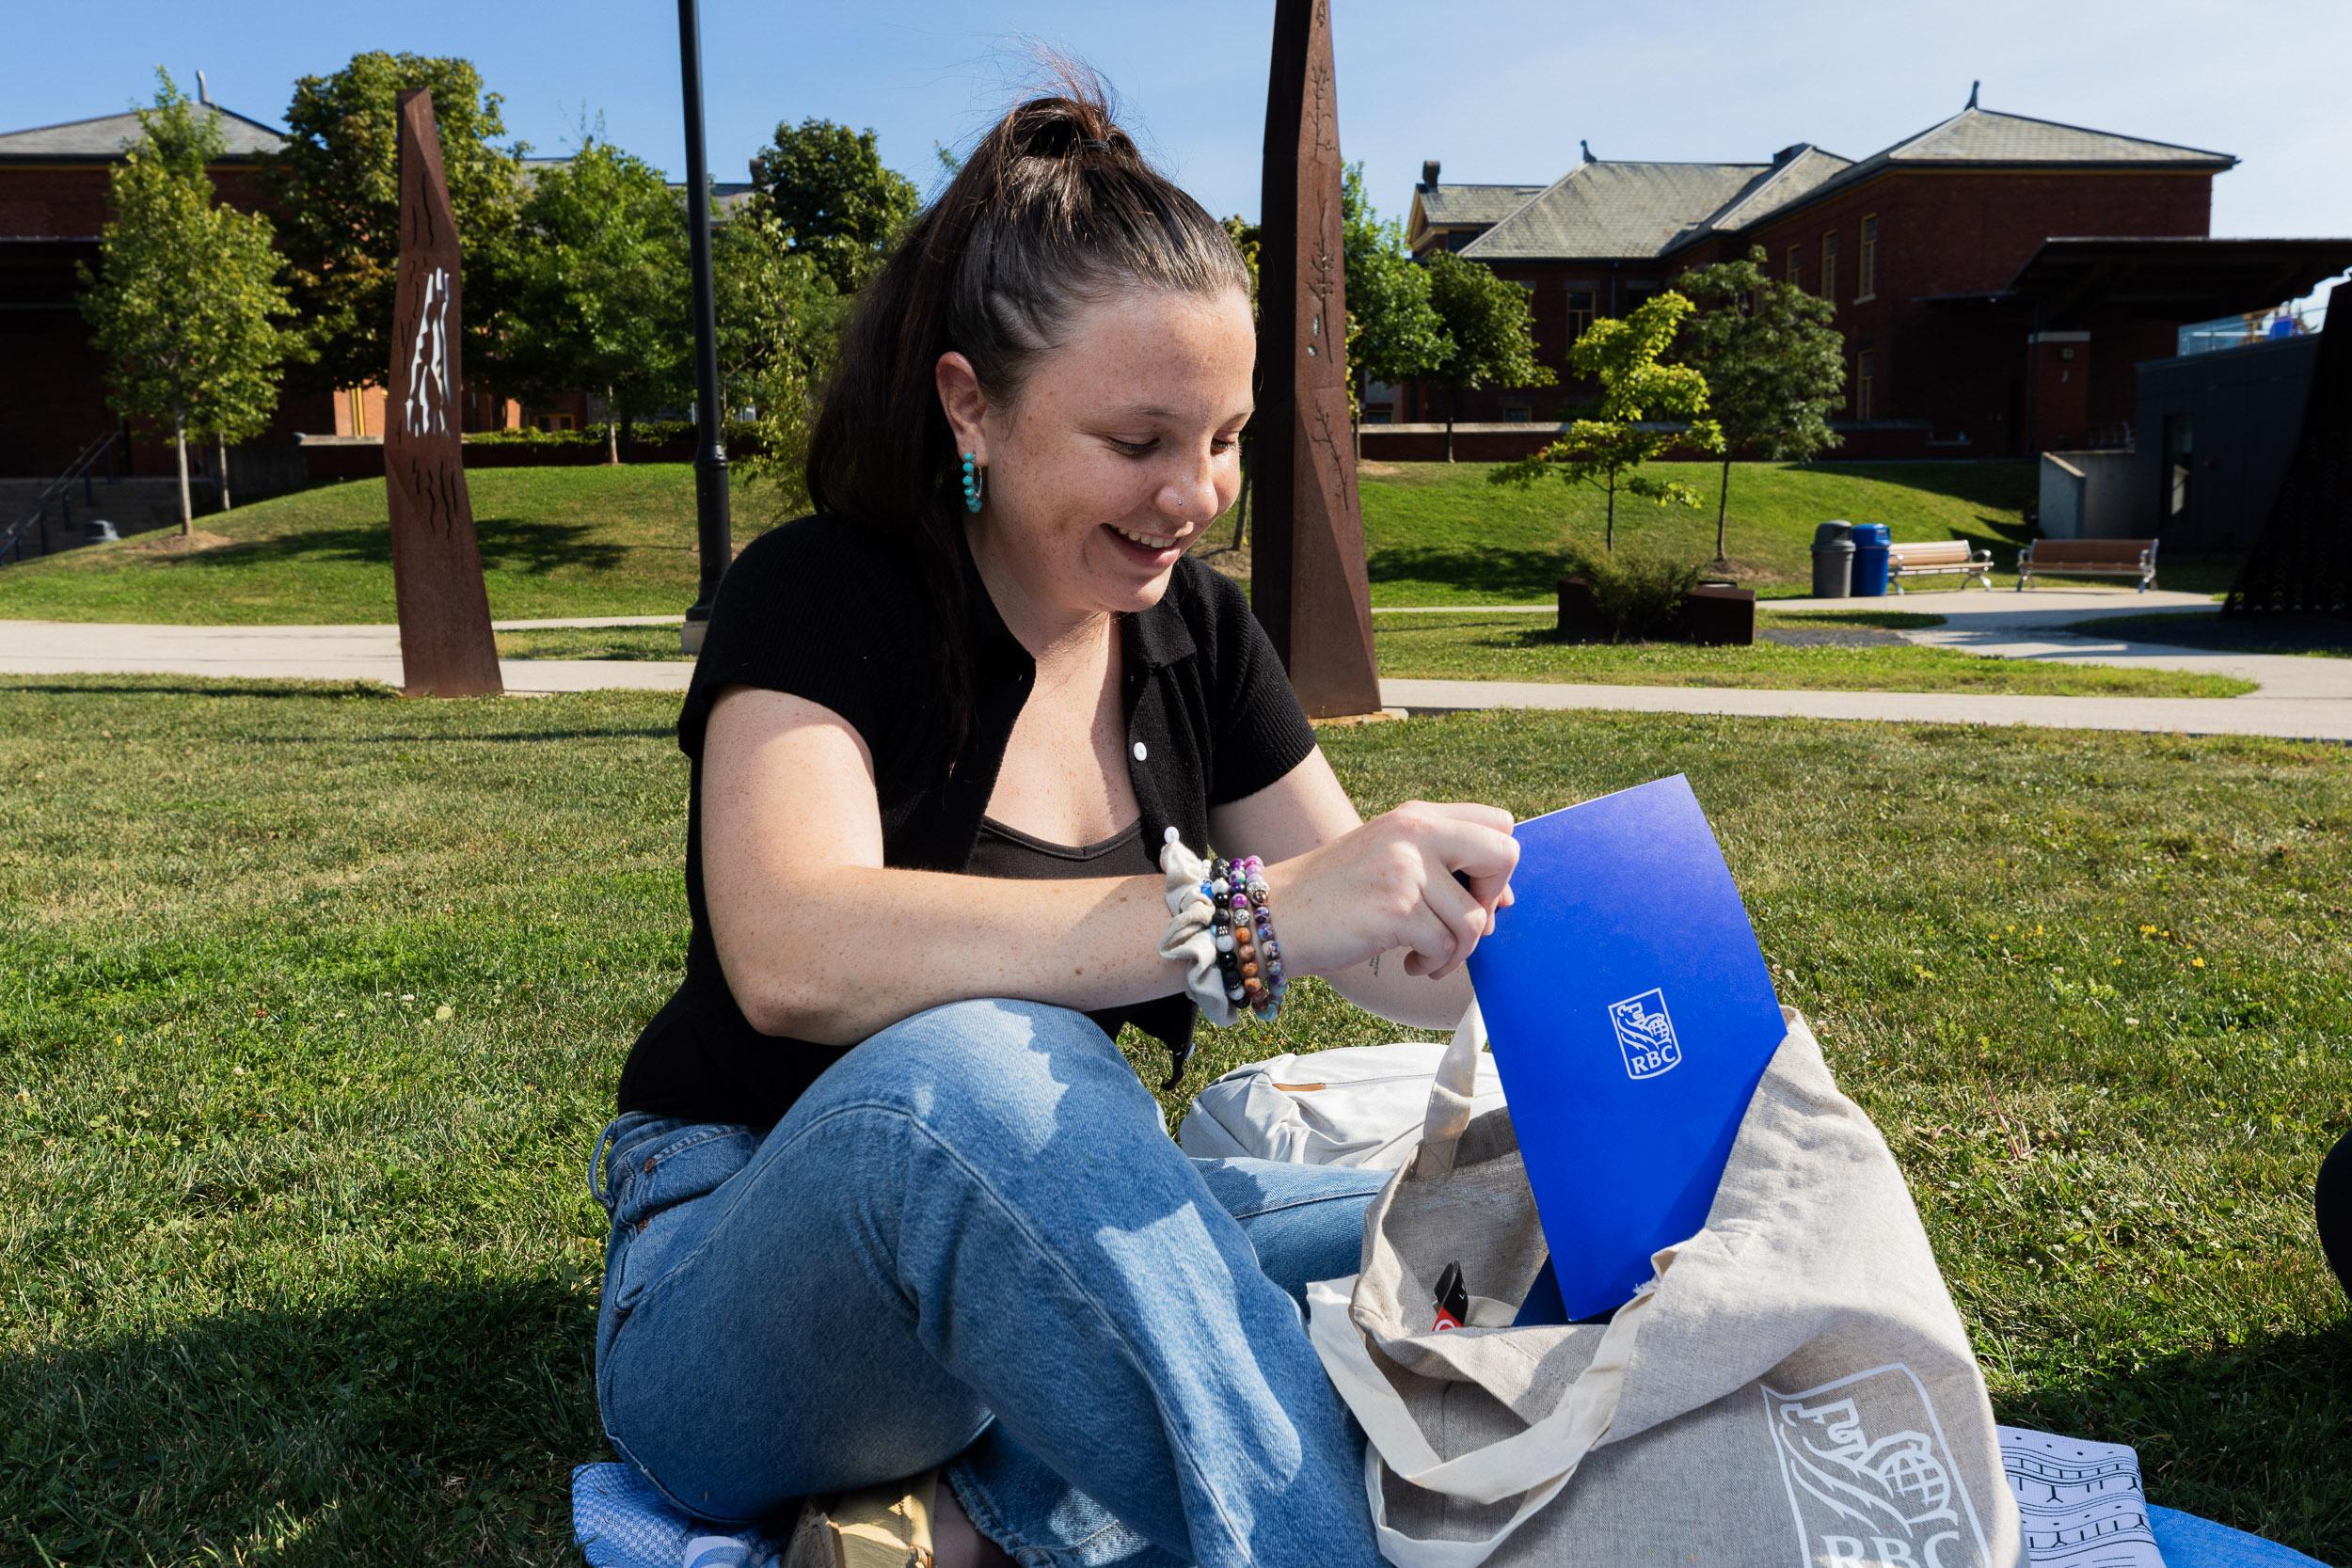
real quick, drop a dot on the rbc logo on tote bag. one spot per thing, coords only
(1646, 1034)
(1869, 1475)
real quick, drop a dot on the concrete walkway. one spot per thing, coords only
(2298, 697)
(302, 653)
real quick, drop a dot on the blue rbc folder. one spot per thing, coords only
(1631, 1017)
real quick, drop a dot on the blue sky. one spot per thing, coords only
(1495, 95)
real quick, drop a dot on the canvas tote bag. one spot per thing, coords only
(1792, 1388)
(1357, 1105)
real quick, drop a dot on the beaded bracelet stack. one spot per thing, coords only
(1249, 956)
(1222, 931)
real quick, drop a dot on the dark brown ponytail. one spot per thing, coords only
(1053, 209)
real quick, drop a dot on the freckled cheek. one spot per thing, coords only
(1227, 483)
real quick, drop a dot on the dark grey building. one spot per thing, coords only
(2216, 432)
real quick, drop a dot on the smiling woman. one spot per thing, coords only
(887, 1200)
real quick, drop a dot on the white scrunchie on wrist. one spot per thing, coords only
(1191, 931)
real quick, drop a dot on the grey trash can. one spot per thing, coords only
(1833, 560)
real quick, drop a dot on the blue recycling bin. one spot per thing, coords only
(1869, 560)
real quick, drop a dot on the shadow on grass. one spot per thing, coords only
(508, 545)
(442, 738)
(2257, 1435)
(1531, 576)
(2007, 488)
(425, 1422)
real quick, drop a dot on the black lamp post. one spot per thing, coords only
(712, 528)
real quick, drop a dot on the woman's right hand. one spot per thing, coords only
(1391, 883)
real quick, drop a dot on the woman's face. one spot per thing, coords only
(1122, 448)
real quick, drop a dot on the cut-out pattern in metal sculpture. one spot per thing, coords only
(446, 648)
(1306, 558)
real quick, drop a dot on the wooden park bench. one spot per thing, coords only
(2100, 558)
(1944, 555)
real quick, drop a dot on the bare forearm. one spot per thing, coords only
(866, 946)
(1382, 987)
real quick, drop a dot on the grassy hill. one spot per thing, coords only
(620, 541)
(1440, 533)
(591, 541)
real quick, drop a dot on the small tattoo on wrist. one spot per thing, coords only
(1375, 963)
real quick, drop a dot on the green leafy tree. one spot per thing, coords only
(599, 287)
(186, 296)
(1489, 333)
(1245, 236)
(1775, 365)
(1393, 332)
(833, 194)
(1637, 394)
(337, 182)
(780, 321)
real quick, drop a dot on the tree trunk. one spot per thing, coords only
(1722, 500)
(1609, 528)
(1241, 511)
(1449, 424)
(612, 430)
(187, 513)
(224, 476)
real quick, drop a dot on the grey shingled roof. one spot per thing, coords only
(109, 137)
(1987, 136)
(1610, 209)
(1447, 205)
(1804, 171)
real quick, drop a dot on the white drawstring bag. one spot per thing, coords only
(1352, 1105)
(1793, 1386)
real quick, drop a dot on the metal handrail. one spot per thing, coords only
(37, 515)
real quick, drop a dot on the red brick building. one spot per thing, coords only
(52, 204)
(1976, 321)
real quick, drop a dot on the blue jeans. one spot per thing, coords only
(972, 1244)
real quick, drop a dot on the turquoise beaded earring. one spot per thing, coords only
(974, 484)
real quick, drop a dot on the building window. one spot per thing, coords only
(1795, 269)
(1865, 375)
(1579, 312)
(1869, 281)
(1828, 265)
(1516, 413)
(2179, 462)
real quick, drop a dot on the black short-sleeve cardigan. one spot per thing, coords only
(829, 610)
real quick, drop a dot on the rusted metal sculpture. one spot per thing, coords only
(1307, 561)
(445, 649)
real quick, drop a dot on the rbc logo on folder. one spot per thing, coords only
(1646, 1034)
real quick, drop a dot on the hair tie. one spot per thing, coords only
(1094, 144)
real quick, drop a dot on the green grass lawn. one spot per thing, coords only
(630, 644)
(1490, 646)
(555, 541)
(620, 541)
(2272, 634)
(1440, 533)
(316, 999)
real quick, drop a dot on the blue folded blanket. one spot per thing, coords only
(622, 1522)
